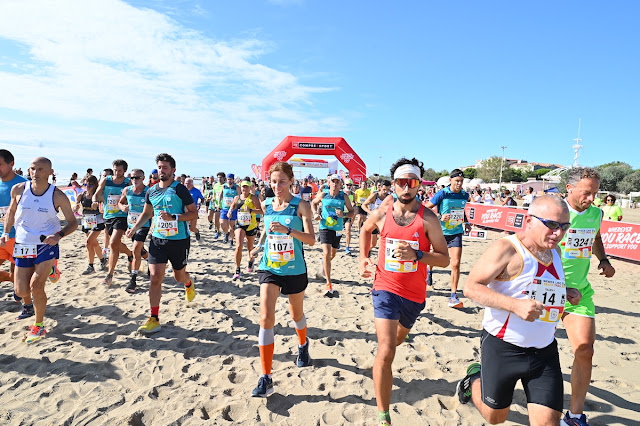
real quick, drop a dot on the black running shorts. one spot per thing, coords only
(289, 284)
(503, 364)
(115, 223)
(329, 236)
(175, 251)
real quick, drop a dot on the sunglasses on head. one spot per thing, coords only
(410, 182)
(552, 224)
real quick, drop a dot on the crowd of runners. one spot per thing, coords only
(527, 282)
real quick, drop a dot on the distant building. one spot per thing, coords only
(522, 165)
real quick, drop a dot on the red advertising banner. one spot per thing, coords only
(498, 217)
(620, 239)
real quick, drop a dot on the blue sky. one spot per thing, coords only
(219, 83)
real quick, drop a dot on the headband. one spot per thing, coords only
(456, 174)
(407, 168)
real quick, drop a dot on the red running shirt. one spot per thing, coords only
(404, 278)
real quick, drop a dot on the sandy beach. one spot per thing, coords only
(93, 368)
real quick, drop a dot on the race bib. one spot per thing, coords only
(579, 243)
(244, 218)
(166, 228)
(361, 200)
(456, 219)
(280, 248)
(111, 206)
(25, 251)
(226, 201)
(552, 294)
(395, 265)
(306, 196)
(90, 221)
(132, 218)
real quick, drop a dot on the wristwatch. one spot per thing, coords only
(289, 230)
(61, 233)
(419, 254)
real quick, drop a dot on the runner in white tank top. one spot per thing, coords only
(33, 209)
(520, 281)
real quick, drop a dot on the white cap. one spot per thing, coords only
(335, 176)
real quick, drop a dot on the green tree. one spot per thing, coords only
(630, 183)
(490, 170)
(443, 172)
(613, 173)
(430, 174)
(470, 173)
(518, 175)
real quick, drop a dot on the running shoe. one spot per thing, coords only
(35, 333)
(131, 287)
(329, 294)
(250, 267)
(347, 251)
(103, 263)
(226, 238)
(16, 297)
(197, 235)
(190, 292)
(107, 280)
(210, 225)
(264, 388)
(303, 359)
(54, 276)
(216, 235)
(90, 270)
(237, 276)
(454, 302)
(151, 326)
(27, 311)
(574, 421)
(463, 388)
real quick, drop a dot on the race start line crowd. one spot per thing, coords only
(527, 282)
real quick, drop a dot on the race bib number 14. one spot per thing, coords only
(552, 294)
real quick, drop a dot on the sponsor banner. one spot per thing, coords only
(256, 170)
(498, 217)
(72, 194)
(621, 239)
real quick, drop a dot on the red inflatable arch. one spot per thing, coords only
(317, 146)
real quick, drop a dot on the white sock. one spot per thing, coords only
(574, 416)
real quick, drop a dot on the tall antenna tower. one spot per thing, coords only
(577, 146)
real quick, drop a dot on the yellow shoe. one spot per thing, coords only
(190, 292)
(151, 326)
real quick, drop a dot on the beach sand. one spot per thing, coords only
(92, 368)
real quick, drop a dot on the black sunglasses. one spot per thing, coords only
(137, 177)
(552, 224)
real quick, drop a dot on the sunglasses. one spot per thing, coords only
(552, 224)
(137, 177)
(609, 199)
(411, 183)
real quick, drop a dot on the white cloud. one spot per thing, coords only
(105, 63)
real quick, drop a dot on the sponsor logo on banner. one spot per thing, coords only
(515, 220)
(313, 145)
(476, 234)
(621, 239)
(491, 216)
(346, 157)
(279, 155)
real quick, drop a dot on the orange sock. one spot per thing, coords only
(302, 336)
(266, 358)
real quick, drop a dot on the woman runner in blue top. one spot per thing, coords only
(287, 224)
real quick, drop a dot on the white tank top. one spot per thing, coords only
(375, 204)
(544, 282)
(35, 216)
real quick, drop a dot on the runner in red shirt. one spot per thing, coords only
(408, 231)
